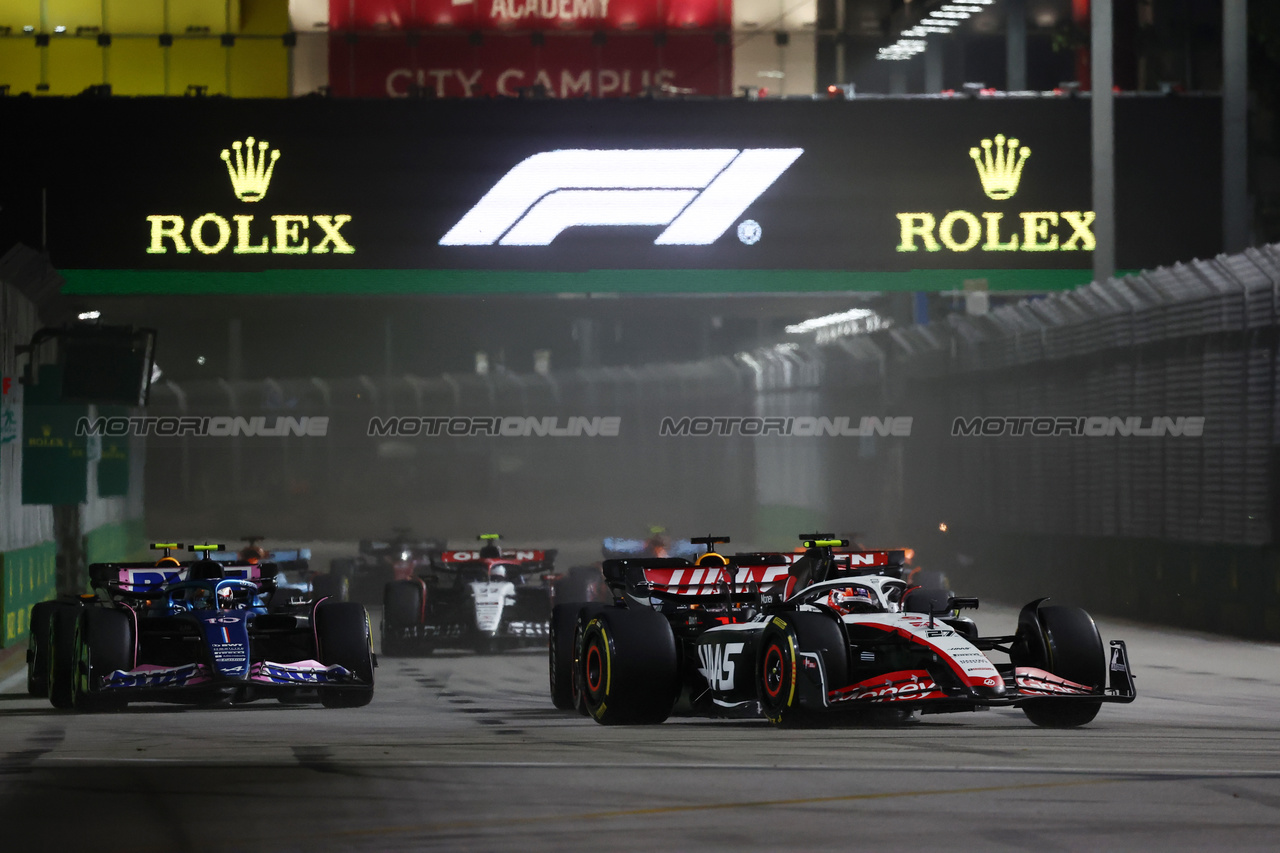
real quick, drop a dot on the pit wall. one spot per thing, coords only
(27, 577)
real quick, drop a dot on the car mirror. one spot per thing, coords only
(921, 600)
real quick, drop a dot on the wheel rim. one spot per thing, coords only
(774, 671)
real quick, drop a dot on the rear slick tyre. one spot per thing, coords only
(38, 650)
(778, 676)
(585, 614)
(61, 664)
(628, 667)
(779, 686)
(403, 606)
(564, 621)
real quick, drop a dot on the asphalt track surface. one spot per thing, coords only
(464, 752)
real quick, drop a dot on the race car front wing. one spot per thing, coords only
(1021, 685)
(307, 673)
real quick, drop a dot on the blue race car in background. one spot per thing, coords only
(199, 632)
(296, 582)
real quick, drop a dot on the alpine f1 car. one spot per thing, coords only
(801, 637)
(479, 599)
(196, 632)
(382, 561)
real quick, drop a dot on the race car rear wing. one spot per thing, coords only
(867, 562)
(388, 547)
(676, 577)
(148, 577)
(527, 560)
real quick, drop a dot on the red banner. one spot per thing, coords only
(566, 66)
(345, 15)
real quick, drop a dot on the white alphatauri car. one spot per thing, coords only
(484, 599)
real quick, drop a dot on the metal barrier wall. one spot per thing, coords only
(1191, 341)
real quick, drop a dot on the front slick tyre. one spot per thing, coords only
(628, 667)
(344, 638)
(1075, 653)
(104, 644)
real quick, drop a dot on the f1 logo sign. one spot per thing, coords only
(698, 193)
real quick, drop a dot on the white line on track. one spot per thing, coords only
(805, 768)
(13, 681)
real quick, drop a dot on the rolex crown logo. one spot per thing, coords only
(998, 169)
(250, 171)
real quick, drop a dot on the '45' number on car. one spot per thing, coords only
(717, 664)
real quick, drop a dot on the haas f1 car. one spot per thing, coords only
(196, 632)
(801, 637)
(482, 600)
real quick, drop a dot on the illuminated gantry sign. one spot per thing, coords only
(643, 196)
(999, 163)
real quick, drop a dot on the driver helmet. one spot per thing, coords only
(498, 572)
(226, 598)
(851, 599)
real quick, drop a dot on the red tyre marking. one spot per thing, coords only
(773, 652)
(595, 671)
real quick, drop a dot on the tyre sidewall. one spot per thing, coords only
(786, 697)
(61, 660)
(402, 603)
(38, 644)
(777, 678)
(560, 642)
(344, 637)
